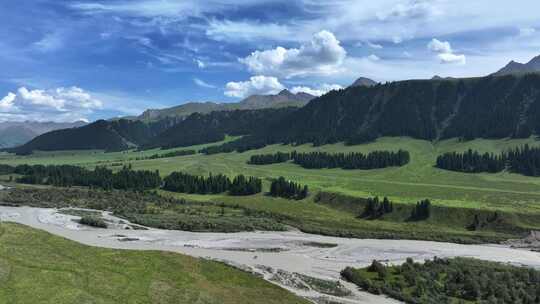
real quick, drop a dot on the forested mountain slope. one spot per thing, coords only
(488, 107)
(204, 128)
(17, 133)
(104, 135)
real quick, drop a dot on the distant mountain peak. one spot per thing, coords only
(14, 133)
(286, 92)
(513, 67)
(363, 82)
(284, 98)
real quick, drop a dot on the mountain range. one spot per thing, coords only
(496, 106)
(17, 133)
(283, 99)
(533, 66)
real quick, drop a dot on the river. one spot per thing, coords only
(267, 252)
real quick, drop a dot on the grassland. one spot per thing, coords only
(36, 267)
(460, 196)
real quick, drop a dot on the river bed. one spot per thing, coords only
(265, 253)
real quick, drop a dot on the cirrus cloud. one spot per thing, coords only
(322, 55)
(60, 104)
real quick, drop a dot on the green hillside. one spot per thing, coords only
(417, 180)
(36, 267)
(457, 197)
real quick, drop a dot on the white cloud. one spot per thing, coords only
(262, 85)
(452, 58)
(445, 53)
(6, 103)
(61, 104)
(319, 91)
(397, 39)
(105, 35)
(200, 64)
(203, 84)
(323, 55)
(228, 30)
(373, 57)
(160, 8)
(527, 31)
(147, 8)
(410, 9)
(438, 46)
(374, 45)
(50, 42)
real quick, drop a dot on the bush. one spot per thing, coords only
(93, 221)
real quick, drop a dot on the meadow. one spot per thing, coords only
(69, 272)
(456, 194)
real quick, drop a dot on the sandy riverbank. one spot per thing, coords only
(267, 252)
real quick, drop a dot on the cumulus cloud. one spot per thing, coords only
(319, 91)
(438, 46)
(445, 53)
(255, 85)
(322, 55)
(373, 57)
(6, 103)
(60, 104)
(452, 58)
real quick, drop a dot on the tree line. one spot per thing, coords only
(168, 154)
(213, 184)
(187, 183)
(281, 187)
(471, 162)
(375, 208)
(267, 159)
(353, 160)
(129, 179)
(523, 160)
(319, 160)
(422, 211)
(100, 177)
(458, 280)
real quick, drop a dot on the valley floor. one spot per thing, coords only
(274, 255)
(415, 181)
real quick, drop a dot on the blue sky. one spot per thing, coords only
(68, 60)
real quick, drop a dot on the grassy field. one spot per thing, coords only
(36, 267)
(464, 194)
(415, 181)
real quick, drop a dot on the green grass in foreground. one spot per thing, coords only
(36, 267)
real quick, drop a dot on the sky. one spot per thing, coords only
(90, 59)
